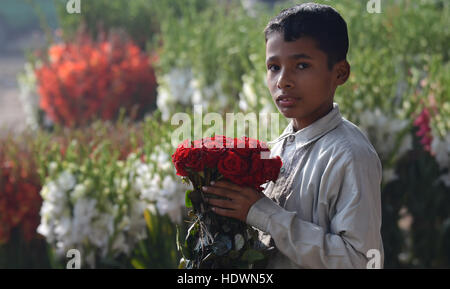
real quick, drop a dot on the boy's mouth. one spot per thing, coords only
(287, 100)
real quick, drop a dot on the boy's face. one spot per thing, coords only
(300, 82)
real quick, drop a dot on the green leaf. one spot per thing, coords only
(182, 264)
(187, 199)
(179, 246)
(137, 264)
(252, 256)
(233, 254)
(148, 220)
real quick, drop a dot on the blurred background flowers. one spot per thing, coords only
(86, 101)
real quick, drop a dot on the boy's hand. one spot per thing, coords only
(240, 199)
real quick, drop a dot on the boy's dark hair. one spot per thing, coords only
(320, 22)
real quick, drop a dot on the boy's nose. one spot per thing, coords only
(284, 81)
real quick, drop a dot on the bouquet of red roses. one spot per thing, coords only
(215, 241)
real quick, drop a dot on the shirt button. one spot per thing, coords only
(291, 138)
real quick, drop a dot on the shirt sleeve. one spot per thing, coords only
(355, 218)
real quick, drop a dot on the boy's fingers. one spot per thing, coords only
(223, 212)
(227, 184)
(227, 204)
(224, 192)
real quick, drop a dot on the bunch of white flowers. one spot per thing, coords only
(28, 96)
(158, 185)
(250, 99)
(174, 88)
(386, 133)
(181, 88)
(103, 223)
(77, 215)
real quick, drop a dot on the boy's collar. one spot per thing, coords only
(313, 131)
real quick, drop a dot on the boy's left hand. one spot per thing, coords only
(240, 199)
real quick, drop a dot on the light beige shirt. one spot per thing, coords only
(324, 210)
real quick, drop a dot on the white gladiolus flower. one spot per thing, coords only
(170, 208)
(124, 225)
(138, 224)
(197, 95)
(249, 6)
(440, 149)
(389, 175)
(120, 244)
(45, 229)
(243, 105)
(28, 95)
(102, 230)
(52, 167)
(83, 213)
(69, 219)
(56, 197)
(77, 193)
(172, 199)
(250, 94)
(63, 227)
(247, 98)
(175, 87)
(66, 181)
(165, 102)
(382, 131)
(110, 222)
(180, 86)
(180, 81)
(162, 188)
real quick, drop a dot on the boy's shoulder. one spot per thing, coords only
(347, 140)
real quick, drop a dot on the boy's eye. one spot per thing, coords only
(303, 65)
(273, 67)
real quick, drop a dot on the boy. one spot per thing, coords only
(324, 210)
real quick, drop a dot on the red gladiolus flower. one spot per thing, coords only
(422, 122)
(20, 201)
(85, 79)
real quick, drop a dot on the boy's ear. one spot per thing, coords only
(342, 71)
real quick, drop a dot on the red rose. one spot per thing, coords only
(257, 169)
(195, 160)
(242, 148)
(177, 159)
(232, 165)
(180, 156)
(238, 160)
(214, 150)
(272, 168)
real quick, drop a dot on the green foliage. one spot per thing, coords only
(217, 42)
(99, 155)
(135, 17)
(391, 53)
(159, 250)
(425, 245)
(188, 200)
(20, 254)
